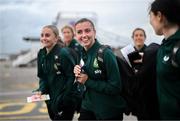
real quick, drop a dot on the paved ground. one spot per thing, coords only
(15, 85)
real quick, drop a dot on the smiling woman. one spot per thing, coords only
(103, 88)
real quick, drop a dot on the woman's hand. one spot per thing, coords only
(77, 71)
(37, 94)
(80, 77)
(139, 60)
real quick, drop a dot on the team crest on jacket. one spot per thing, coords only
(95, 63)
(166, 58)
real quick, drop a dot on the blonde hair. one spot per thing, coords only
(54, 29)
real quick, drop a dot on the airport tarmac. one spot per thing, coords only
(16, 84)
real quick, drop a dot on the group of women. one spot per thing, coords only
(158, 96)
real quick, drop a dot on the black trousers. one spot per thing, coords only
(65, 114)
(89, 115)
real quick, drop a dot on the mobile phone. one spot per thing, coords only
(134, 56)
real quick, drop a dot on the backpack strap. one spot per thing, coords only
(57, 62)
(100, 58)
(174, 51)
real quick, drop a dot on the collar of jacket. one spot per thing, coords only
(51, 51)
(142, 49)
(93, 48)
(85, 54)
(73, 41)
(175, 36)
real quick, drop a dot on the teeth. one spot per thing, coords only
(85, 39)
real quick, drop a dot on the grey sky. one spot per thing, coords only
(20, 18)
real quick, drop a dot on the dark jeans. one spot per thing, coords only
(89, 115)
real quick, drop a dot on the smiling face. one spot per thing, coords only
(48, 38)
(85, 34)
(139, 38)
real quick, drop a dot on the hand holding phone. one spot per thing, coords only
(135, 57)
